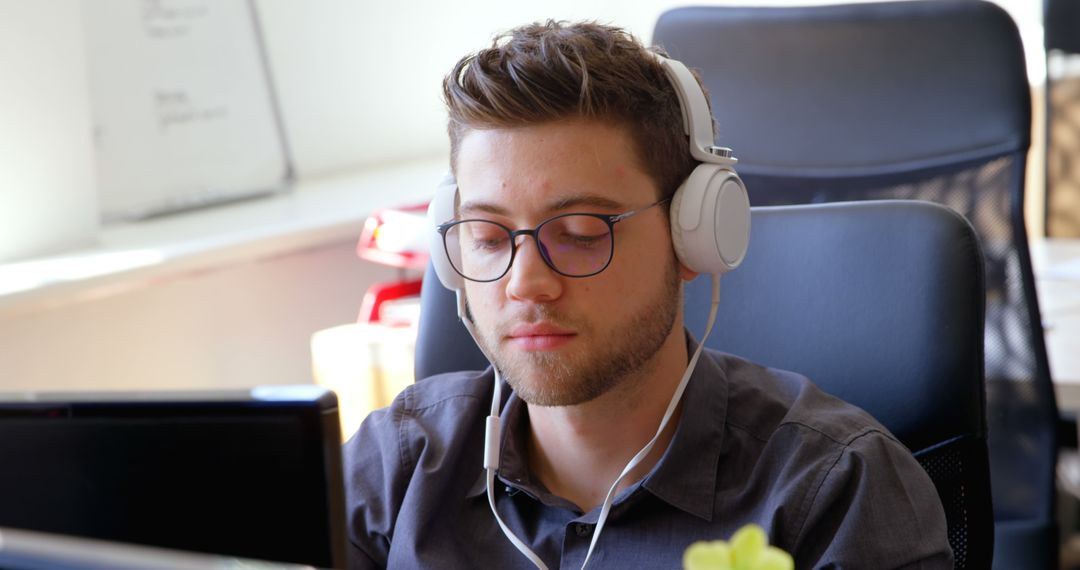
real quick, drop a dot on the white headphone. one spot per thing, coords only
(710, 212)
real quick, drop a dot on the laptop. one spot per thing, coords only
(239, 473)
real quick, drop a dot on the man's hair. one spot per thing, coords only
(544, 72)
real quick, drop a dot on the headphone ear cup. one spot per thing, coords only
(441, 210)
(710, 220)
(677, 234)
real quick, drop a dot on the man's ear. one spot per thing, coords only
(468, 310)
(686, 273)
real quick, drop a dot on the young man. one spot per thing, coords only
(576, 133)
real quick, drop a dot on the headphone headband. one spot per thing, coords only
(697, 120)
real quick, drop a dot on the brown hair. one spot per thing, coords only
(551, 71)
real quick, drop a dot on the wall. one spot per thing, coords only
(360, 82)
(44, 130)
(243, 325)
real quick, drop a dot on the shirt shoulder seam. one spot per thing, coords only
(811, 498)
(863, 431)
(849, 439)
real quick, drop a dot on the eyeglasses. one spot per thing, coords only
(574, 245)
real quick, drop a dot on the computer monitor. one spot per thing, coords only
(253, 473)
(30, 550)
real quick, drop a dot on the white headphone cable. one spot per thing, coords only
(675, 398)
(492, 432)
(493, 439)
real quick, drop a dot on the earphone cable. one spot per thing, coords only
(674, 403)
(493, 439)
(492, 432)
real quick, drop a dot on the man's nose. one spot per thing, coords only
(530, 278)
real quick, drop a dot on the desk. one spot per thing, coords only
(1057, 275)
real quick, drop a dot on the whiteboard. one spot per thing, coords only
(183, 106)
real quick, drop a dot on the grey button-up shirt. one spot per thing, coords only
(754, 445)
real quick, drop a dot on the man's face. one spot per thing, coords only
(560, 340)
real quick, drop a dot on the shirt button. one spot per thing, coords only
(583, 529)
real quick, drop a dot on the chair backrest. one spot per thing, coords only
(1059, 24)
(880, 303)
(442, 342)
(923, 100)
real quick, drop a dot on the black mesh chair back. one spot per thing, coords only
(924, 100)
(880, 303)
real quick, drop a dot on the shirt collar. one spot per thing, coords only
(685, 476)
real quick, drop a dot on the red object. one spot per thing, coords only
(380, 293)
(394, 237)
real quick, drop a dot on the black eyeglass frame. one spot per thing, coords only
(609, 219)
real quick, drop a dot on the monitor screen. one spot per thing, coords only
(253, 474)
(30, 550)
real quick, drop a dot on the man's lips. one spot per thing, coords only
(539, 337)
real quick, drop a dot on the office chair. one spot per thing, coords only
(880, 303)
(923, 100)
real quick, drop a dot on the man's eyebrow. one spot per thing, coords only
(477, 206)
(564, 203)
(586, 200)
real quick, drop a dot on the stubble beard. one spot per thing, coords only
(551, 379)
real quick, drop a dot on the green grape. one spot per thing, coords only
(748, 550)
(775, 559)
(713, 555)
(747, 544)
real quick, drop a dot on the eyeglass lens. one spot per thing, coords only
(575, 245)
